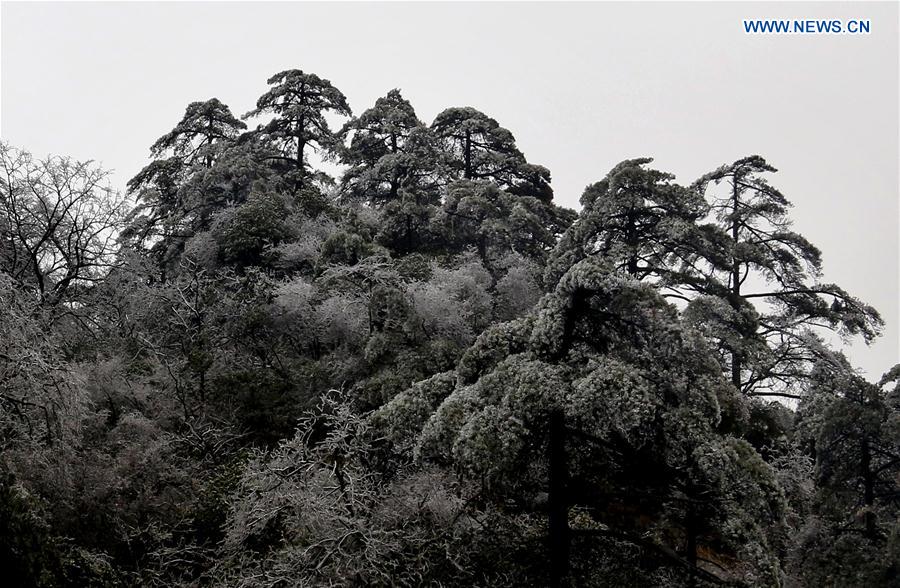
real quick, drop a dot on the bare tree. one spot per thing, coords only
(59, 221)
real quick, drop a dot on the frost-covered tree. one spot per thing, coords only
(314, 512)
(478, 148)
(386, 150)
(643, 223)
(59, 220)
(496, 222)
(39, 395)
(175, 193)
(853, 429)
(299, 103)
(247, 233)
(770, 281)
(204, 127)
(393, 161)
(554, 401)
(640, 401)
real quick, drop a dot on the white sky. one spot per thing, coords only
(582, 86)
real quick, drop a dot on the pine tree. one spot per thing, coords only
(851, 427)
(393, 161)
(478, 148)
(766, 262)
(299, 103)
(497, 222)
(638, 401)
(174, 192)
(643, 223)
(205, 126)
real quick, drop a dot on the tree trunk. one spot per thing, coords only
(691, 547)
(631, 239)
(868, 488)
(301, 140)
(558, 536)
(409, 235)
(209, 141)
(301, 147)
(735, 280)
(395, 176)
(467, 155)
(482, 249)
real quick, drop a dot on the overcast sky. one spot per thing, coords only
(582, 86)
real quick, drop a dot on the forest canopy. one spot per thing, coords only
(421, 371)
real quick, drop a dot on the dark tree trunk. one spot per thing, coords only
(735, 281)
(301, 141)
(395, 176)
(868, 488)
(691, 546)
(482, 249)
(467, 155)
(209, 141)
(409, 234)
(631, 239)
(301, 169)
(558, 536)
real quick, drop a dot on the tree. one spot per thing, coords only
(315, 512)
(245, 233)
(770, 347)
(175, 194)
(161, 222)
(640, 221)
(393, 161)
(28, 551)
(58, 225)
(386, 144)
(299, 102)
(478, 148)
(39, 397)
(558, 399)
(195, 138)
(640, 401)
(498, 222)
(853, 429)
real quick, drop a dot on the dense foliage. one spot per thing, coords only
(248, 372)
